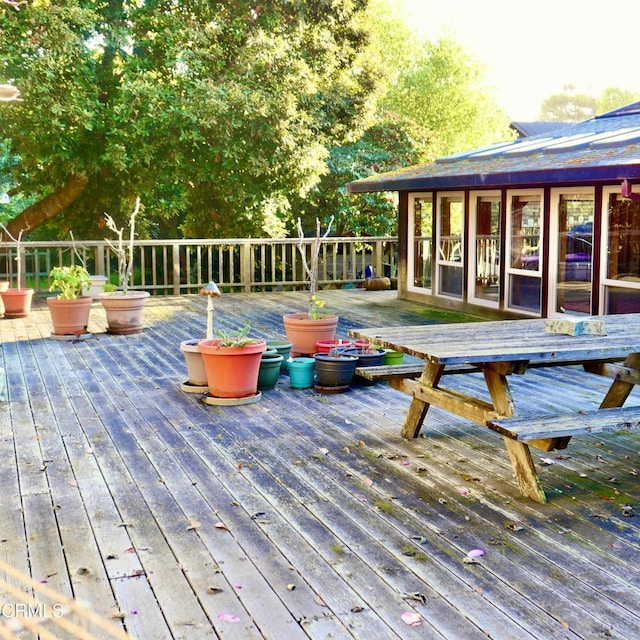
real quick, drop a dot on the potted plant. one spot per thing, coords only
(123, 307)
(70, 308)
(304, 330)
(16, 301)
(232, 362)
(196, 371)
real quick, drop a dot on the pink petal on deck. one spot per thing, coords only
(411, 618)
(475, 553)
(228, 617)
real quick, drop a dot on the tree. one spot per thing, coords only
(613, 98)
(442, 91)
(390, 143)
(568, 106)
(431, 102)
(206, 110)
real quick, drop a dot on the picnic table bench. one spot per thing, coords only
(499, 349)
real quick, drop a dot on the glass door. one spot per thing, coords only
(524, 239)
(419, 260)
(450, 234)
(622, 264)
(572, 246)
(484, 255)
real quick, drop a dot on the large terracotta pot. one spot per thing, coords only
(69, 317)
(232, 372)
(124, 310)
(17, 302)
(304, 333)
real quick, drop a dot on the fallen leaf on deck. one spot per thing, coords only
(406, 463)
(411, 618)
(357, 609)
(368, 482)
(324, 450)
(347, 421)
(291, 587)
(463, 492)
(193, 525)
(214, 590)
(130, 550)
(547, 461)
(228, 617)
(221, 525)
(320, 601)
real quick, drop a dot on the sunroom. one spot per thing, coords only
(539, 226)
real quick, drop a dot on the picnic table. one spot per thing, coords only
(503, 348)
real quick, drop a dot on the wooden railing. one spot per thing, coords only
(172, 267)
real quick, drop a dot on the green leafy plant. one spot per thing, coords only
(70, 282)
(238, 339)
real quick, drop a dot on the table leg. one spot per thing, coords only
(524, 470)
(418, 408)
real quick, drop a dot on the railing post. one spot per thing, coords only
(176, 269)
(245, 266)
(377, 258)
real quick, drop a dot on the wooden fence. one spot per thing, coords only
(172, 267)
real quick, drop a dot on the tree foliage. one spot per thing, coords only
(206, 110)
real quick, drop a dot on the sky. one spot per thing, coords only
(531, 50)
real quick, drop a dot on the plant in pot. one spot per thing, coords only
(16, 301)
(304, 330)
(232, 362)
(196, 372)
(123, 307)
(70, 309)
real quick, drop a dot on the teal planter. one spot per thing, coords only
(284, 349)
(269, 371)
(301, 372)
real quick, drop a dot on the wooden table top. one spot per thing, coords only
(507, 341)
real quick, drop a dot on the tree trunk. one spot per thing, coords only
(37, 214)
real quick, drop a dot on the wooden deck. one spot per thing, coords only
(303, 515)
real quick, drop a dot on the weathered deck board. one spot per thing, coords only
(117, 483)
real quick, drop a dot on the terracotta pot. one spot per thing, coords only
(17, 302)
(232, 372)
(304, 333)
(69, 317)
(124, 311)
(196, 372)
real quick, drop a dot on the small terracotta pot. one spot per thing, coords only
(17, 302)
(69, 317)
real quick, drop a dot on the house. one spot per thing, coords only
(538, 226)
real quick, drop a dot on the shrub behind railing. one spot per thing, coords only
(172, 267)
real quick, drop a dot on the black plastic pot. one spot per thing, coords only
(335, 370)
